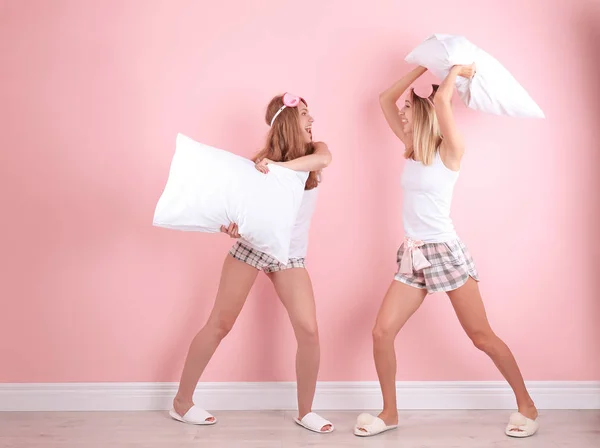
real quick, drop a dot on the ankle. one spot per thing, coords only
(528, 409)
(526, 403)
(180, 399)
(182, 405)
(303, 413)
(389, 416)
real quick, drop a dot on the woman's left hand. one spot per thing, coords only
(261, 165)
(231, 230)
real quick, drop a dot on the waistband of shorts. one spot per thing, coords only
(426, 243)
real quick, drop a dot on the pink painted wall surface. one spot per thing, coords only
(92, 95)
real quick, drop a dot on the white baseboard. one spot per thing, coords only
(261, 396)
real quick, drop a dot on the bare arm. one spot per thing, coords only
(453, 146)
(390, 97)
(316, 161)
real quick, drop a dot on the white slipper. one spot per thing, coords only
(314, 422)
(521, 426)
(368, 425)
(195, 416)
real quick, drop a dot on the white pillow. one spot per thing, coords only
(208, 187)
(493, 89)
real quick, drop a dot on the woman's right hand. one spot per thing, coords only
(232, 230)
(467, 71)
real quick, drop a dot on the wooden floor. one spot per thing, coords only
(270, 429)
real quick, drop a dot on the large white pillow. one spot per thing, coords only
(208, 187)
(493, 89)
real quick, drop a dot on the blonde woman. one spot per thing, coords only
(432, 258)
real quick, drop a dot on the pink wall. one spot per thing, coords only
(92, 95)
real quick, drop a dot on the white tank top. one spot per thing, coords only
(299, 241)
(427, 196)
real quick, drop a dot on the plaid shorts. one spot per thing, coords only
(451, 267)
(262, 261)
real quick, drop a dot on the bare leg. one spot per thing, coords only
(469, 308)
(296, 293)
(237, 278)
(399, 304)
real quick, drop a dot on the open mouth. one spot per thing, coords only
(309, 130)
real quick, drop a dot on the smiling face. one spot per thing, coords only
(406, 116)
(305, 121)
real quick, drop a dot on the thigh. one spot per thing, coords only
(294, 288)
(400, 302)
(236, 281)
(469, 308)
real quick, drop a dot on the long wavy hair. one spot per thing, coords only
(285, 140)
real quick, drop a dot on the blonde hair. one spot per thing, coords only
(427, 136)
(285, 140)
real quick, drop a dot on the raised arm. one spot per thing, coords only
(390, 97)
(453, 147)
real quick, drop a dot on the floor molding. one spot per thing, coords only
(261, 396)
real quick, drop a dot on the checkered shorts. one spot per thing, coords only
(451, 267)
(262, 261)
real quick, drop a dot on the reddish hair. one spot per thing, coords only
(285, 140)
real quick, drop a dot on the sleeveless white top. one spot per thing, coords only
(299, 238)
(299, 241)
(427, 196)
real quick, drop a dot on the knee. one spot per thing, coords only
(221, 326)
(307, 334)
(382, 333)
(484, 340)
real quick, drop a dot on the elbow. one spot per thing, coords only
(323, 155)
(326, 161)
